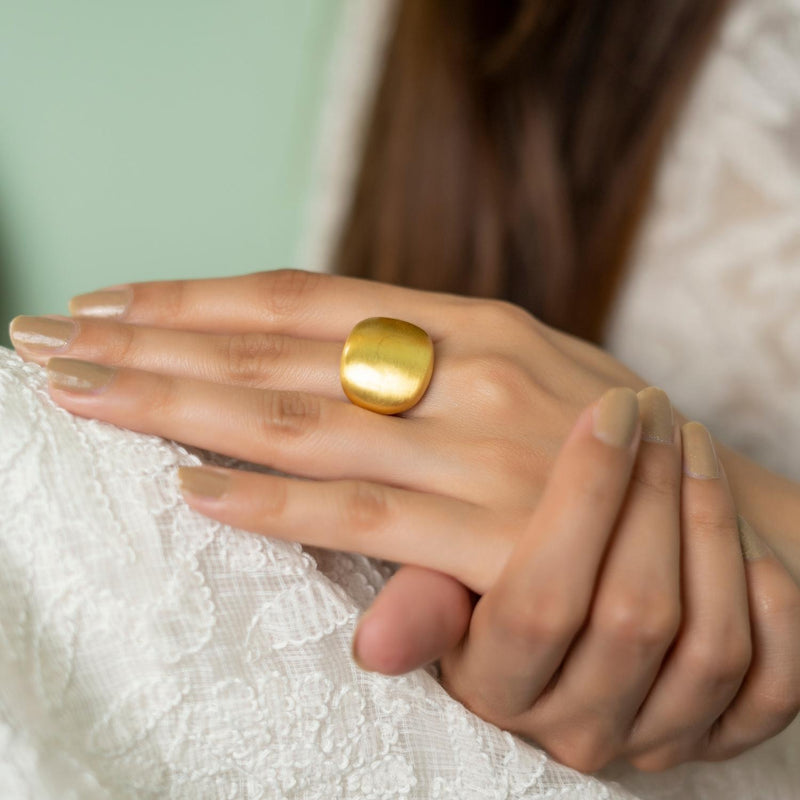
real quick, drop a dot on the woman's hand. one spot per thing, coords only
(249, 367)
(625, 623)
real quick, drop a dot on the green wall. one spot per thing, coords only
(153, 139)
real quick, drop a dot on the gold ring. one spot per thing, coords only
(386, 365)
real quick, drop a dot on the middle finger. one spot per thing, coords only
(295, 432)
(712, 653)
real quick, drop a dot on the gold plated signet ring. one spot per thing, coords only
(386, 365)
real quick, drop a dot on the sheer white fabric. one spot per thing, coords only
(147, 652)
(710, 310)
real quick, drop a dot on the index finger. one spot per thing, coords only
(292, 302)
(525, 623)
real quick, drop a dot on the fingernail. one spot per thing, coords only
(655, 410)
(356, 657)
(105, 303)
(42, 333)
(699, 457)
(753, 546)
(83, 377)
(616, 417)
(203, 482)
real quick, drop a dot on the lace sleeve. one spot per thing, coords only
(148, 652)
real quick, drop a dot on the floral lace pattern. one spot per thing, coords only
(149, 652)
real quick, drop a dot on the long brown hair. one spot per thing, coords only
(513, 143)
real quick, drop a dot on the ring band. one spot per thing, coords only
(386, 365)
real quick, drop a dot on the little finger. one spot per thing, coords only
(380, 521)
(770, 695)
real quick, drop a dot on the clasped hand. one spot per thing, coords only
(582, 584)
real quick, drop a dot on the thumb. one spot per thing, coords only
(418, 616)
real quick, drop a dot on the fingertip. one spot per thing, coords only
(419, 615)
(376, 649)
(657, 417)
(616, 417)
(204, 482)
(699, 455)
(754, 547)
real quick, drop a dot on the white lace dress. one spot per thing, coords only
(147, 652)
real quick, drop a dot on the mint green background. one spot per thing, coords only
(145, 139)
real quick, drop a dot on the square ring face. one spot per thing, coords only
(386, 365)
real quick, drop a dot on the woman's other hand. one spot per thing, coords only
(653, 653)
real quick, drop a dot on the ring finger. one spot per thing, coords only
(712, 653)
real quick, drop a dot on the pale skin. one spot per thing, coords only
(611, 581)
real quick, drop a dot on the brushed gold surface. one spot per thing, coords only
(386, 365)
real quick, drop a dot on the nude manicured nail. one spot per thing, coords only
(753, 546)
(699, 456)
(83, 377)
(42, 333)
(616, 416)
(655, 410)
(203, 482)
(105, 303)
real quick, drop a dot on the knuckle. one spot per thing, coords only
(366, 508)
(250, 357)
(780, 607)
(550, 617)
(273, 505)
(124, 344)
(289, 414)
(779, 699)
(464, 691)
(171, 298)
(284, 292)
(499, 384)
(634, 620)
(708, 521)
(163, 398)
(781, 710)
(585, 748)
(719, 663)
(658, 477)
(656, 761)
(591, 486)
(503, 316)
